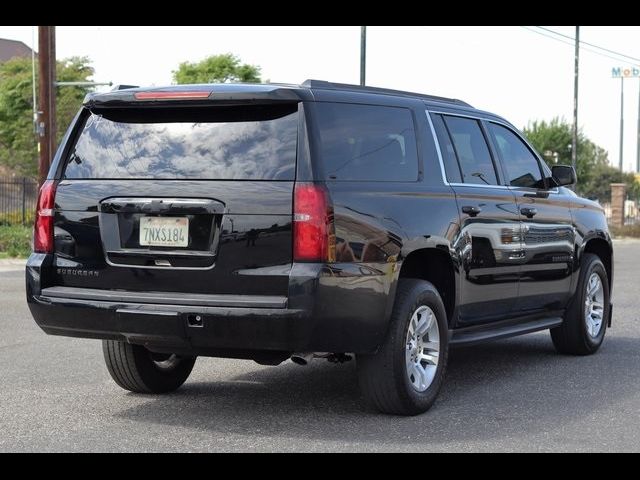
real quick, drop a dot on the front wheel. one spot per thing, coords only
(138, 370)
(404, 376)
(585, 321)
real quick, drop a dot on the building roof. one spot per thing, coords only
(13, 48)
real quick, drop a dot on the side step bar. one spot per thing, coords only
(485, 333)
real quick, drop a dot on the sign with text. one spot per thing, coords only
(625, 72)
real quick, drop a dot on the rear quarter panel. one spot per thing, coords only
(378, 224)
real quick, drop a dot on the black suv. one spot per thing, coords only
(270, 222)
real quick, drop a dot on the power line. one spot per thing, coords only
(545, 35)
(618, 58)
(582, 42)
(595, 52)
(583, 48)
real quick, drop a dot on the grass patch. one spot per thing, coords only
(626, 231)
(15, 241)
(15, 218)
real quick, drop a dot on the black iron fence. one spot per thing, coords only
(18, 196)
(631, 212)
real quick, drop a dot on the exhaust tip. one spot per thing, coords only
(301, 358)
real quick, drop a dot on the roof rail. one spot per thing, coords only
(123, 87)
(383, 91)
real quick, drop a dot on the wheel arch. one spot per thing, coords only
(435, 266)
(603, 249)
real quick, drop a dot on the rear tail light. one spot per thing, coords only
(43, 228)
(314, 237)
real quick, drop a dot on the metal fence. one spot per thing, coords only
(631, 212)
(18, 198)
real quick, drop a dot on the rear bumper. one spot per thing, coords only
(336, 308)
(168, 326)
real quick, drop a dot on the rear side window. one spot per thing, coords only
(226, 143)
(472, 151)
(451, 167)
(366, 142)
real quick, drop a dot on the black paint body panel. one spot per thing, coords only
(244, 250)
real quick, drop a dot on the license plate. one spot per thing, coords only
(164, 231)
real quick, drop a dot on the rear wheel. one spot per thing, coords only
(405, 375)
(585, 321)
(138, 370)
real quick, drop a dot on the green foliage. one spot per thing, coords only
(15, 218)
(15, 241)
(216, 69)
(17, 140)
(553, 141)
(18, 143)
(69, 99)
(600, 179)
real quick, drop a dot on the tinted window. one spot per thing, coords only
(522, 166)
(472, 151)
(367, 143)
(240, 143)
(451, 167)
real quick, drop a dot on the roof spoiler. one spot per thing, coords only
(230, 94)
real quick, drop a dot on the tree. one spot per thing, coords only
(18, 142)
(217, 69)
(69, 99)
(603, 176)
(553, 141)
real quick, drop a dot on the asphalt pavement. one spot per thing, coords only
(510, 395)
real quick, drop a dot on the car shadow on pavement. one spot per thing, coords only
(494, 390)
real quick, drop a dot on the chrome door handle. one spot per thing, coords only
(471, 210)
(528, 212)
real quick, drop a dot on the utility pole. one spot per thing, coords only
(621, 119)
(363, 54)
(47, 99)
(638, 141)
(574, 137)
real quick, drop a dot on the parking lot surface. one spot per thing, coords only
(510, 395)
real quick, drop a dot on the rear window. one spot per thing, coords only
(218, 143)
(366, 142)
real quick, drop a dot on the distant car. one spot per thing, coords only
(270, 222)
(227, 236)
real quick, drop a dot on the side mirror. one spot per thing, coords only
(563, 175)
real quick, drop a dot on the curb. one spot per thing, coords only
(12, 264)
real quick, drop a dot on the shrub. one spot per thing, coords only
(15, 218)
(15, 241)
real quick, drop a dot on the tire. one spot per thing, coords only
(576, 334)
(384, 377)
(136, 369)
